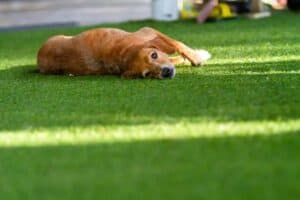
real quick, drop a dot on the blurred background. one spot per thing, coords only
(71, 12)
(45, 13)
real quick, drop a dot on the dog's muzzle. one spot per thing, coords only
(168, 72)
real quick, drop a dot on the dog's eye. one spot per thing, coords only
(154, 55)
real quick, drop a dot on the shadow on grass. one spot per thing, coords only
(258, 167)
(229, 92)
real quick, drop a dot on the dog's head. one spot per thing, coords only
(150, 62)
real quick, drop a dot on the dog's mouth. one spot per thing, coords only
(162, 72)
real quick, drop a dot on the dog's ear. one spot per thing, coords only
(128, 55)
(151, 44)
(161, 45)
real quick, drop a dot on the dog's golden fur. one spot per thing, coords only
(143, 53)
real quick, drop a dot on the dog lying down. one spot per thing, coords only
(143, 53)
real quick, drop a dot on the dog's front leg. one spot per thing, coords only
(196, 57)
(178, 60)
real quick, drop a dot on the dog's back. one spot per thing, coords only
(67, 54)
(53, 55)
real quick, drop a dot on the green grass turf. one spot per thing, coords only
(228, 130)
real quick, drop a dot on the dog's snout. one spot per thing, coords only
(167, 72)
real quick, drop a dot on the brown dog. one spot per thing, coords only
(143, 53)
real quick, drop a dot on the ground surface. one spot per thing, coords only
(229, 130)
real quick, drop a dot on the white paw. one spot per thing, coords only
(203, 55)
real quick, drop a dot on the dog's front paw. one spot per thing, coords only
(202, 56)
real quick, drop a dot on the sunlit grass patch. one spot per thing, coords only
(160, 131)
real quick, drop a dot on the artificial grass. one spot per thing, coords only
(228, 130)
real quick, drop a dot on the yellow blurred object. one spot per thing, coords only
(221, 11)
(188, 10)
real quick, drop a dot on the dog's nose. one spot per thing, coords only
(167, 72)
